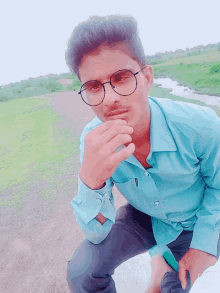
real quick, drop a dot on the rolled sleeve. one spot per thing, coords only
(207, 227)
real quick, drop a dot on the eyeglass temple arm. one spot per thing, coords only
(140, 70)
(102, 83)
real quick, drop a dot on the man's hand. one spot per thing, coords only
(100, 156)
(196, 262)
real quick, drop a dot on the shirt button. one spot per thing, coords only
(146, 173)
(156, 202)
(98, 200)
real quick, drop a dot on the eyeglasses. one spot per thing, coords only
(123, 82)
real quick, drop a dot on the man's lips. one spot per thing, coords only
(117, 112)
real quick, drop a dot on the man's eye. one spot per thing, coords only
(94, 86)
(121, 77)
(118, 77)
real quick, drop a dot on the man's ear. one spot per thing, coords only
(149, 76)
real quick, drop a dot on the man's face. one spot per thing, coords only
(101, 66)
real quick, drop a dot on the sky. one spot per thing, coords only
(34, 34)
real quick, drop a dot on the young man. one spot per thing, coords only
(163, 156)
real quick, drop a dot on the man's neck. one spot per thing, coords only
(142, 137)
(141, 140)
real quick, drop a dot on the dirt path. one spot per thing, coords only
(37, 242)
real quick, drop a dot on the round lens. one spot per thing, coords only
(92, 92)
(124, 82)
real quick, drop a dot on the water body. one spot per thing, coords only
(185, 92)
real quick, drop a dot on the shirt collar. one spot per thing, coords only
(161, 138)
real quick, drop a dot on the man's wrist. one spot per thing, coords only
(91, 185)
(94, 187)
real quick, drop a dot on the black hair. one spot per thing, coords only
(89, 35)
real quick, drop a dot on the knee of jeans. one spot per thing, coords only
(75, 271)
(78, 277)
(71, 275)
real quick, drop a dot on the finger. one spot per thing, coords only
(108, 124)
(192, 279)
(194, 276)
(113, 132)
(183, 276)
(116, 142)
(118, 157)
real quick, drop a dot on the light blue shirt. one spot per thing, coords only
(182, 189)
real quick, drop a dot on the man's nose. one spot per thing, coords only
(110, 95)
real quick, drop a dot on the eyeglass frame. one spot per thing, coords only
(80, 92)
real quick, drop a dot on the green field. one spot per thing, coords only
(33, 150)
(201, 72)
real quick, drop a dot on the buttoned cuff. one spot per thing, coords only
(89, 203)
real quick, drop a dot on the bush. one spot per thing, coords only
(74, 86)
(54, 87)
(214, 69)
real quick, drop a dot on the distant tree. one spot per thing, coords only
(158, 55)
(53, 87)
(179, 51)
(200, 47)
(209, 46)
(74, 86)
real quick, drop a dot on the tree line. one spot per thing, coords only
(167, 55)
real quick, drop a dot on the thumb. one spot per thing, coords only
(183, 275)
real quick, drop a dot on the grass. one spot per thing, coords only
(37, 86)
(31, 148)
(201, 72)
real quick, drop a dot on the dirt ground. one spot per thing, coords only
(37, 242)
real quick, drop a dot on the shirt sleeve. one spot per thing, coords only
(207, 226)
(89, 203)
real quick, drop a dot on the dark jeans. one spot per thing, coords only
(92, 265)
